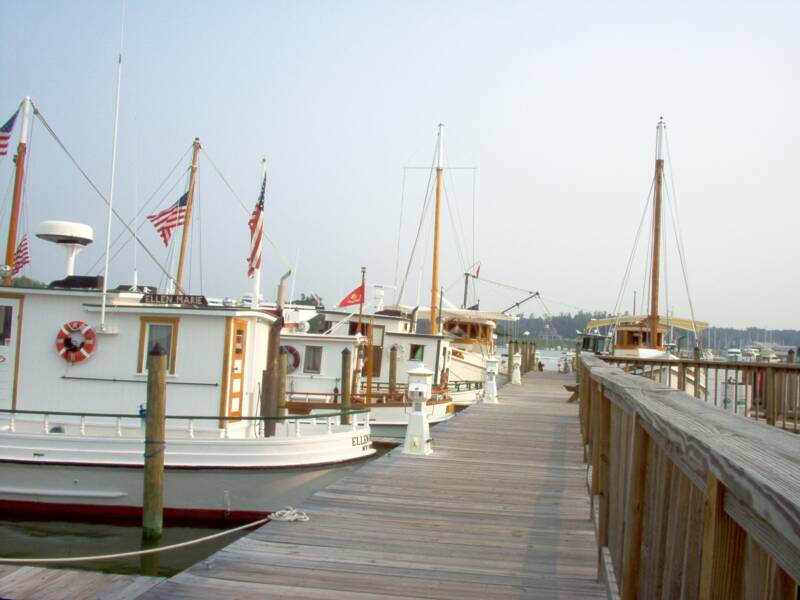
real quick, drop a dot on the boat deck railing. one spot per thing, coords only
(768, 392)
(689, 500)
(181, 426)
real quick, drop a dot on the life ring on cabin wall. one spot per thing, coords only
(294, 358)
(75, 341)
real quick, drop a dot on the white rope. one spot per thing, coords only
(290, 514)
(72, 559)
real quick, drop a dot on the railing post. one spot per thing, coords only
(510, 364)
(769, 395)
(600, 471)
(634, 509)
(681, 375)
(347, 388)
(723, 547)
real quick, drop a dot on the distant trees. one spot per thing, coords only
(309, 300)
(27, 282)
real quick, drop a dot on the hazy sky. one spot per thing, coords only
(554, 103)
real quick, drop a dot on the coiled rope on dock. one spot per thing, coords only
(287, 514)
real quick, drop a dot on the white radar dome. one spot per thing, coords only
(65, 232)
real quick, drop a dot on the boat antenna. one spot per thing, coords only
(113, 172)
(436, 228)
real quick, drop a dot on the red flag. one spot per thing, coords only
(478, 272)
(354, 297)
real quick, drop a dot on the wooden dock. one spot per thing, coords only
(500, 510)
(22, 583)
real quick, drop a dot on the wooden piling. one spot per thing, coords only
(283, 362)
(393, 370)
(347, 372)
(154, 445)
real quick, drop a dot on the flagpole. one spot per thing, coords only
(113, 175)
(363, 293)
(11, 246)
(257, 274)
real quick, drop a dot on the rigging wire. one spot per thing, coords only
(281, 256)
(184, 176)
(399, 235)
(24, 198)
(91, 183)
(425, 206)
(679, 237)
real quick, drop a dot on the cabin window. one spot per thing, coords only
(5, 325)
(312, 363)
(158, 330)
(635, 339)
(417, 352)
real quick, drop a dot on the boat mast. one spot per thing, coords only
(187, 219)
(466, 289)
(659, 178)
(11, 245)
(436, 227)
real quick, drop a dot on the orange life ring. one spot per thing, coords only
(292, 364)
(75, 341)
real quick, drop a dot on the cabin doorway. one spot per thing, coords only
(237, 368)
(9, 334)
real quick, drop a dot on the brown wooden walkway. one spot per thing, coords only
(23, 583)
(500, 510)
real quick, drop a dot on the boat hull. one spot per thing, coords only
(114, 493)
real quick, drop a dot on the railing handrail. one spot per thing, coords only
(55, 413)
(742, 474)
(720, 364)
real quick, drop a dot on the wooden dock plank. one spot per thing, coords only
(22, 583)
(500, 510)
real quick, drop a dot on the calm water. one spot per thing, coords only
(54, 538)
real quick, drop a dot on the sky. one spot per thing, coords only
(549, 110)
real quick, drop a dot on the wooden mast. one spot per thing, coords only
(659, 179)
(187, 219)
(434, 329)
(11, 245)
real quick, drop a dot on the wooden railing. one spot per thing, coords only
(689, 500)
(767, 392)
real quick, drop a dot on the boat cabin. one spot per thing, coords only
(53, 348)
(391, 328)
(314, 362)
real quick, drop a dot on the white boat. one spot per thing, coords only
(70, 434)
(314, 379)
(73, 377)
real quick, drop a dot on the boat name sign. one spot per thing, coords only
(182, 299)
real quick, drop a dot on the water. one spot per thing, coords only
(63, 538)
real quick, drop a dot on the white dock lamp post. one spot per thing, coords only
(418, 432)
(490, 388)
(516, 379)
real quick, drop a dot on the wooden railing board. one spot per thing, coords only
(756, 467)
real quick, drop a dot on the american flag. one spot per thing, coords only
(256, 225)
(5, 133)
(21, 256)
(170, 218)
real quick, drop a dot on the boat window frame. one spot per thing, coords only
(421, 348)
(305, 360)
(144, 338)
